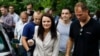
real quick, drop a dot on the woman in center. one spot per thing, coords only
(46, 37)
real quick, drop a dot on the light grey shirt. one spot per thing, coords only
(63, 29)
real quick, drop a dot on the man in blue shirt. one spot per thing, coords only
(28, 31)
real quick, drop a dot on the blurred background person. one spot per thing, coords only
(30, 10)
(7, 22)
(40, 11)
(13, 14)
(51, 12)
(97, 15)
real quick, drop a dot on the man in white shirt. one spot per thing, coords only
(18, 31)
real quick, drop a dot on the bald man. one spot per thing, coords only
(18, 33)
(28, 31)
(36, 17)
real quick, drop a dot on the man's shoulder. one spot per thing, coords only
(75, 22)
(9, 16)
(97, 24)
(19, 22)
(30, 24)
(15, 14)
(95, 21)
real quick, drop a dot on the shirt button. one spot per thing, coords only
(80, 33)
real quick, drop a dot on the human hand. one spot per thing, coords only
(17, 45)
(67, 55)
(30, 42)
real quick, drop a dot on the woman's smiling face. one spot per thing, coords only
(46, 23)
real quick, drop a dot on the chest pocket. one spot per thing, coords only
(89, 35)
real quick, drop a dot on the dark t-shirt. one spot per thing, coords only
(28, 30)
(31, 13)
(85, 38)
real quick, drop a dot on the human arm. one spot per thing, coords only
(69, 46)
(24, 43)
(15, 33)
(25, 37)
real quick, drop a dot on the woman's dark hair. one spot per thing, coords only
(52, 29)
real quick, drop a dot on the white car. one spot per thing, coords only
(5, 46)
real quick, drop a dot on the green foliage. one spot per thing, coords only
(57, 5)
(46, 3)
(65, 4)
(93, 5)
(18, 6)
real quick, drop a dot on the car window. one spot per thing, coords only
(3, 43)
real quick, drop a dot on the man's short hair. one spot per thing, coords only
(4, 6)
(30, 4)
(24, 12)
(82, 5)
(67, 9)
(11, 6)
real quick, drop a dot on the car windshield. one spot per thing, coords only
(3, 43)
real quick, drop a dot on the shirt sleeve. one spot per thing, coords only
(15, 31)
(25, 30)
(98, 31)
(9, 22)
(35, 32)
(17, 18)
(71, 31)
(56, 46)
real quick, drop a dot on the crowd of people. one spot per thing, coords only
(37, 33)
